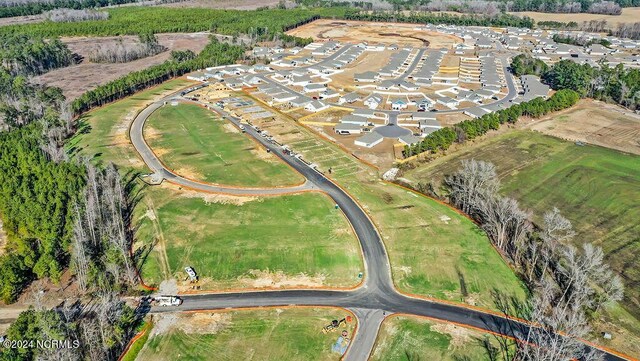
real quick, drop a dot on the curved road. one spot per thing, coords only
(161, 172)
(376, 296)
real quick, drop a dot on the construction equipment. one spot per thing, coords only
(336, 324)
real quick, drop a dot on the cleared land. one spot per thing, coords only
(77, 79)
(595, 187)
(232, 242)
(596, 123)
(404, 338)
(376, 33)
(434, 251)
(198, 144)
(104, 131)
(189, 218)
(629, 15)
(292, 334)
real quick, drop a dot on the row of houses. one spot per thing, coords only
(397, 61)
(428, 67)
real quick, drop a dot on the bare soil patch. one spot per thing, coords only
(19, 20)
(266, 279)
(77, 79)
(629, 15)
(596, 123)
(380, 33)
(459, 335)
(211, 197)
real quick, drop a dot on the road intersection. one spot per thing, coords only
(374, 298)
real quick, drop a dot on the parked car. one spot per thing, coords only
(192, 273)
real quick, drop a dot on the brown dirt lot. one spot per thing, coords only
(357, 31)
(366, 62)
(382, 155)
(77, 79)
(596, 123)
(17, 20)
(629, 15)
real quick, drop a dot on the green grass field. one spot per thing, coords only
(596, 188)
(104, 132)
(434, 251)
(415, 339)
(223, 241)
(198, 144)
(292, 334)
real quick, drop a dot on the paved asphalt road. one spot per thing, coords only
(375, 295)
(161, 172)
(377, 292)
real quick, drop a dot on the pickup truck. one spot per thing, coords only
(165, 301)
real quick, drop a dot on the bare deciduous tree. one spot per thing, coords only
(102, 235)
(474, 181)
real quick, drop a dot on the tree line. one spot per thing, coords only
(611, 84)
(11, 8)
(70, 15)
(214, 54)
(98, 331)
(443, 138)
(570, 285)
(120, 52)
(23, 54)
(443, 18)
(482, 6)
(133, 20)
(576, 40)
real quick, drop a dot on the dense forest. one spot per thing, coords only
(443, 138)
(22, 102)
(10, 8)
(484, 6)
(611, 84)
(268, 24)
(36, 199)
(60, 212)
(443, 18)
(23, 54)
(261, 24)
(99, 331)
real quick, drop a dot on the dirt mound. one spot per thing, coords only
(191, 323)
(264, 279)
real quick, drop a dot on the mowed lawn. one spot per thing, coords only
(434, 251)
(292, 334)
(598, 189)
(405, 338)
(198, 144)
(225, 241)
(104, 132)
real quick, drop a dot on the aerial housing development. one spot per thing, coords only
(290, 180)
